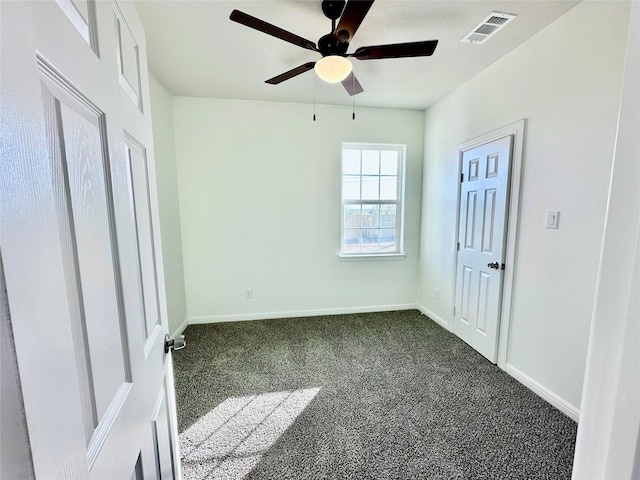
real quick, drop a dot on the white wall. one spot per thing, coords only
(566, 81)
(164, 147)
(608, 443)
(260, 208)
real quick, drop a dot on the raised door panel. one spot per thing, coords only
(128, 58)
(470, 215)
(80, 164)
(493, 165)
(161, 433)
(467, 295)
(81, 14)
(473, 167)
(90, 228)
(483, 302)
(488, 221)
(136, 158)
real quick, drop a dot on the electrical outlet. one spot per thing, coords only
(248, 293)
(436, 294)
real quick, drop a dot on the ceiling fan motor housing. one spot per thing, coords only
(330, 45)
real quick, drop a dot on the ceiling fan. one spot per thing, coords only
(334, 65)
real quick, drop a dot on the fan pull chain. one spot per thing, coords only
(314, 97)
(353, 97)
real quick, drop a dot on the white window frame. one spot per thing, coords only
(398, 254)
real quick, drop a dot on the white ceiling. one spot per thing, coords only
(195, 50)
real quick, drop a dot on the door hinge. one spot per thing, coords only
(458, 246)
(454, 311)
(461, 177)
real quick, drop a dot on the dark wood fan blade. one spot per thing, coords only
(396, 50)
(262, 26)
(352, 85)
(291, 73)
(352, 16)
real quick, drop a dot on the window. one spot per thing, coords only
(372, 199)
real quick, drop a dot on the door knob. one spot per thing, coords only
(177, 343)
(494, 265)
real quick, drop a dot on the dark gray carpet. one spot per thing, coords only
(366, 396)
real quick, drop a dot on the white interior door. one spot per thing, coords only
(79, 228)
(481, 244)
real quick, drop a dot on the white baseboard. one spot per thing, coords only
(542, 391)
(241, 317)
(181, 328)
(436, 318)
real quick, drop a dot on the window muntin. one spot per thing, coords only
(372, 199)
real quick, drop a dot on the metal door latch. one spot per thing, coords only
(177, 343)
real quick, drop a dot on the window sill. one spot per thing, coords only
(375, 257)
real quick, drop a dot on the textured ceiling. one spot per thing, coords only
(195, 50)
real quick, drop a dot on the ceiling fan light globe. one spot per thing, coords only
(333, 68)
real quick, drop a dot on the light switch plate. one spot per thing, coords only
(552, 220)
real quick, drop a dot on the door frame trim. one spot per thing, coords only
(517, 129)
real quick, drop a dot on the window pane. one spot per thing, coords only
(350, 187)
(370, 215)
(387, 215)
(372, 198)
(352, 216)
(351, 241)
(389, 162)
(370, 162)
(370, 240)
(388, 240)
(370, 188)
(388, 188)
(351, 162)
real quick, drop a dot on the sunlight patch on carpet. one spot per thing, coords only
(229, 440)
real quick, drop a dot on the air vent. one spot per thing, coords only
(485, 29)
(491, 25)
(497, 20)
